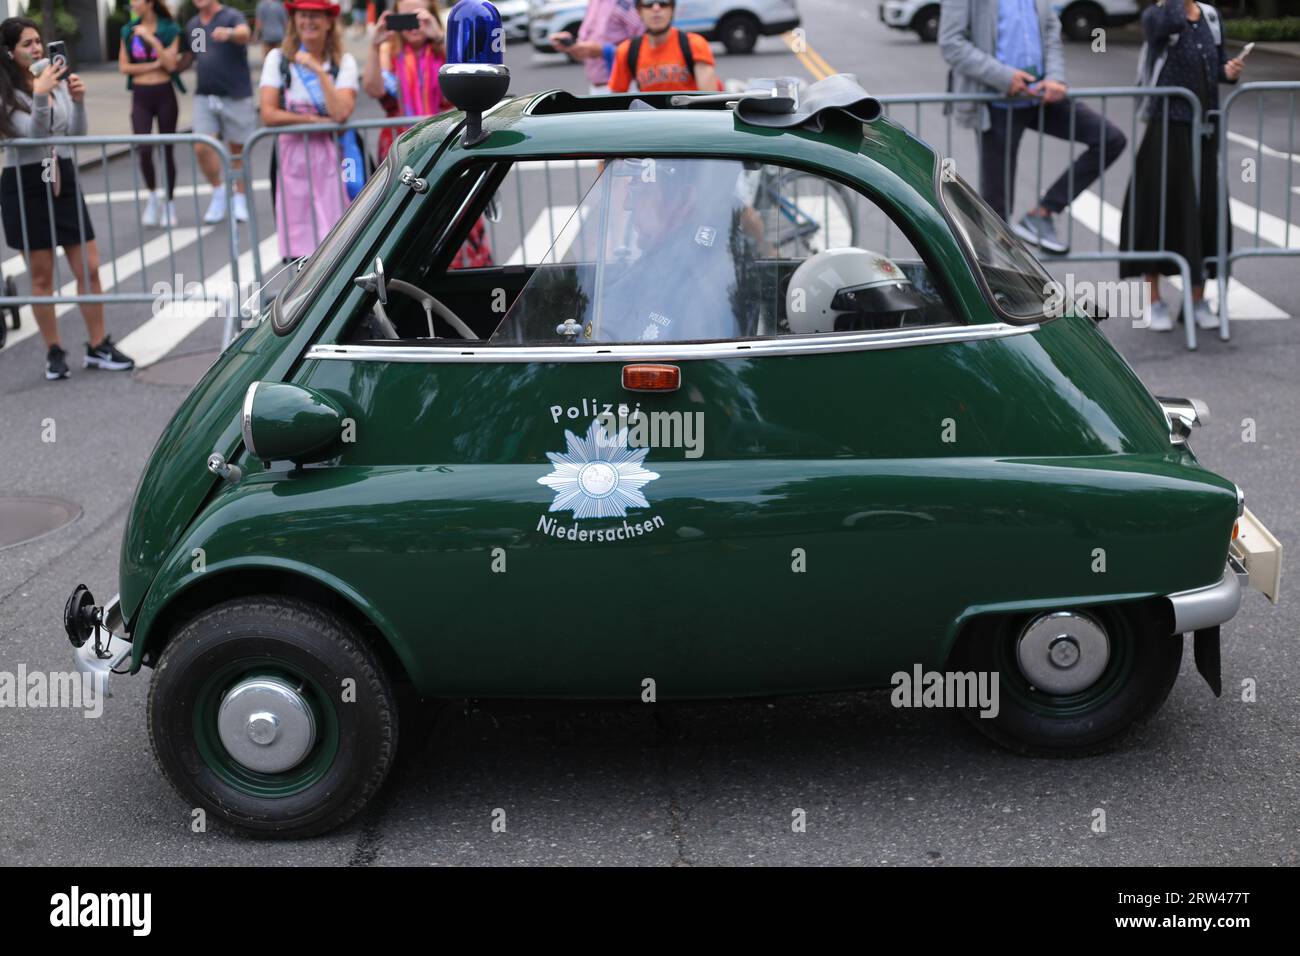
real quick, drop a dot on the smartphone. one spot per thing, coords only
(1245, 51)
(57, 51)
(565, 41)
(397, 22)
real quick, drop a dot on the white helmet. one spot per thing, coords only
(845, 290)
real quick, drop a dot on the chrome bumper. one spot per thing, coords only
(115, 650)
(1211, 605)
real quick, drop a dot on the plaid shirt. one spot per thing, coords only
(608, 21)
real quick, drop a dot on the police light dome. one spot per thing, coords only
(474, 78)
(474, 33)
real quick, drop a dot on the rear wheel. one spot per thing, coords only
(273, 715)
(926, 24)
(738, 33)
(1071, 682)
(803, 214)
(1079, 20)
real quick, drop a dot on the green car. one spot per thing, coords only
(659, 397)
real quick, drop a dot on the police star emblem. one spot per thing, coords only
(599, 476)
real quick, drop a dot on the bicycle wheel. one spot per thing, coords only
(804, 214)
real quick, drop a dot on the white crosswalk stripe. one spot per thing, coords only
(127, 265)
(1103, 218)
(174, 321)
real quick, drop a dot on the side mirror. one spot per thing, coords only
(374, 281)
(284, 422)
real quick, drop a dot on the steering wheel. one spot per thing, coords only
(429, 303)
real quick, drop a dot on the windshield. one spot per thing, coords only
(1019, 284)
(289, 306)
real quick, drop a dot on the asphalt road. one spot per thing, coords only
(1206, 782)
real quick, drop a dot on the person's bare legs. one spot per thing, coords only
(237, 164)
(210, 163)
(84, 269)
(40, 266)
(1153, 283)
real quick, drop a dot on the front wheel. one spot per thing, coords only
(926, 24)
(738, 33)
(1080, 19)
(273, 715)
(1071, 682)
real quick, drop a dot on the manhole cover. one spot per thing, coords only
(180, 369)
(22, 519)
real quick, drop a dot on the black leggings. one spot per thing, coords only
(146, 103)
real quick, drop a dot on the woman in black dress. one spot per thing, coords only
(41, 206)
(1181, 32)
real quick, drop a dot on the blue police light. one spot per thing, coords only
(474, 33)
(474, 76)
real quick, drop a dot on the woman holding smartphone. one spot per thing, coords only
(148, 56)
(406, 52)
(1184, 47)
(40, 200)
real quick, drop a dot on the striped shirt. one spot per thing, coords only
(608, 21)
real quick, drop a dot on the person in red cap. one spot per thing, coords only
(308, 81)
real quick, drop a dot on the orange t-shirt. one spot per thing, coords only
(659, 69)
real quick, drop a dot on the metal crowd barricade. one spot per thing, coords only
(1163, 94)
(110, 255)
(1223, 256)
(316, 179)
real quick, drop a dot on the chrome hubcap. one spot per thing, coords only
(266, 724)
(1063, 652)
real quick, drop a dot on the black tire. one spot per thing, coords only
(1141, 671)
(738, 32)
(356, 742)
(1079, 20)
(926, 24)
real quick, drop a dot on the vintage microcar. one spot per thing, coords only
(734, 397)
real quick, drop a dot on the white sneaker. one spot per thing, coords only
(1156, 317)
(241, 207)
(150, 217)
(217, 208)
(169, 217)
(1205, 319)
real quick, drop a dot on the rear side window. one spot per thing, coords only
(1017, 282)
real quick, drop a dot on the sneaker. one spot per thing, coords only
(150, 217)
(217, 208)
(168, 217)
(1156, 317)
(56, 363)
(1040, 231)
(106, 356)
(1205, 319)
(241, 207)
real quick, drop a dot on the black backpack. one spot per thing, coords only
(683, 40)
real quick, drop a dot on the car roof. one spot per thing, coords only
(881, 155)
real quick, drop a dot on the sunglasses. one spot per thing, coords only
(648, 4)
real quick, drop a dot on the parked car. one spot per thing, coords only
(736, 24)
(1078, 18)
(514, 18)
(761, 403)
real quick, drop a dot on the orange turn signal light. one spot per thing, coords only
(652, 378)
(1236, 527)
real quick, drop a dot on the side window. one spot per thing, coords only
(677, 250)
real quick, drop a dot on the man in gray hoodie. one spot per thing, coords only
(1013, 47)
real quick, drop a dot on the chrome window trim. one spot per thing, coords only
(787, 345)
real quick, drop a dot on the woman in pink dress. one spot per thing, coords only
(308, 81)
